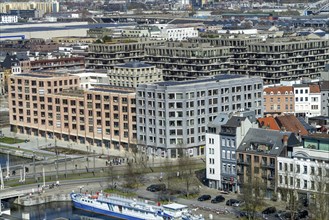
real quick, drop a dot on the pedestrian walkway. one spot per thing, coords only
(37, 143)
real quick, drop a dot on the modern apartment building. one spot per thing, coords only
(58, 63)
(257, 156)
(279, 100)
(51, 105)
(106, 56)
(173, 116)
(185, 60)
(237, 46)
(274, 59)
(287, 59)
(223, 136)
(134, 73)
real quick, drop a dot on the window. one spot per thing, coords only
(305, 184)
(228, 155)
(298, 183)
(305, 169)
(223, 153)
(291, 167)
(298, 169)
(312, 185)
(312, 170)
(280, 179)
(285, 167)
(291, 181)
(280, 166)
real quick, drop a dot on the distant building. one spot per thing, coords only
(58, 63)
(173, 116)
(47, 7)
(132, 74)
(26, 14)
(99, 33)
(8, 19)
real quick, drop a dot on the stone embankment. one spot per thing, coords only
(37, 199)
(20, 153)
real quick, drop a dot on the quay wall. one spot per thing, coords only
(36, 199)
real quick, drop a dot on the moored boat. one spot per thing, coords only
(127, 208)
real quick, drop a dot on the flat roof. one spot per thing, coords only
(134, 65)
(214, 78)
(175, 206)
(58, 28)
(110, 90)
(32, 75)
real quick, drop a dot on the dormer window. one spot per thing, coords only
(286, 93)
(271, 93)
(279, 93)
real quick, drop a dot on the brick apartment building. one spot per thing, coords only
(279, 100)
(51, 105)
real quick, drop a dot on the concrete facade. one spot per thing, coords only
(134, 73)
(185, 60)
(106, 56)
(173, 116)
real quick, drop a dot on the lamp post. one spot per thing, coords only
(34, 173)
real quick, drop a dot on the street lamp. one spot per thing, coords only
(34, 173)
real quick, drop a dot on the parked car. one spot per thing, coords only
(269, 210)
(238, 204)
(204, 198)
(218, 199)
(156, 187)
(230, 202)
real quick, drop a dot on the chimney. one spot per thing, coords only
(285, 140)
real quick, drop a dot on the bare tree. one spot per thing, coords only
(320, 200)
(253, 193)
(185, 164)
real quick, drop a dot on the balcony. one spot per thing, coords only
(243, 162)
(268, 166)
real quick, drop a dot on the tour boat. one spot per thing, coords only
(131, 209)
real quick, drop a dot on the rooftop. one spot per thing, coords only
(210, 79)
(134, 65)
(268, 123)
(292, 124)
(277, 89)
(263, 141)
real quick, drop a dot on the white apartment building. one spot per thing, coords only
(176, 33)
(89, 79)
(8, 19)
(223, 137)
(307, 100)
(306, 172)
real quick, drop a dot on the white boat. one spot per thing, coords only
(126, 208)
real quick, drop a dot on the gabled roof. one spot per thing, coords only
(281, 89)
(314, 88)
(234, 121)
(268, 123)
(270, 142)
(324, 85)
(292, 124)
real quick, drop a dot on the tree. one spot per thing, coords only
(253, 193)
(186, 173)
(320, 200)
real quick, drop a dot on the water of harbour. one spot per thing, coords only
(13, 160)
(54, 210)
